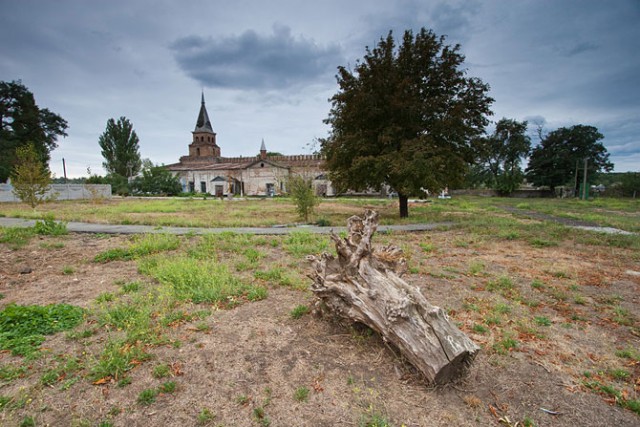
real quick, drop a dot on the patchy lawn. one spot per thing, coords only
(217, 330)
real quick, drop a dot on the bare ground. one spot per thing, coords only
(255, 356)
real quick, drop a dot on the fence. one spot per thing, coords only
(63, 192)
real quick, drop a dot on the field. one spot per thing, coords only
(219, 330)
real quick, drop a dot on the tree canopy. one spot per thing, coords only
(156, 180)
(120, 148)
(22, 123)
(501, 153)
(559, 158)
(405, 117)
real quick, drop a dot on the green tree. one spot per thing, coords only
(405, 117)
(22, 122)
(500, 155)
(301, 190)
(156, 179)
(558, 160)
(120, 148)
(30, 176)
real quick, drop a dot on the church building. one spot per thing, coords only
(204, 170)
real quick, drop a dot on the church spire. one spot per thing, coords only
(203, 124)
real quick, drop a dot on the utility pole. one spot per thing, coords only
(576, 192)
(584, 180)
(64, 169)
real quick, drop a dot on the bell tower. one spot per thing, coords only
(204, 138)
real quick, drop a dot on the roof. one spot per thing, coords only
(203, 124)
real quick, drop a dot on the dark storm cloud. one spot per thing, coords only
(254, 61)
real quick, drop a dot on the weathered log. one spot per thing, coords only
(364, 285)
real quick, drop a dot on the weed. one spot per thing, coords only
(49, 227)
(161, 371)
(105, 297)
(537, 284)
(301, 394)
(480, 329)
(619, 374)
(9, 373)
(54, 245)
(199, 280)
(629, 353)
(299, 311)
(476, 267)
(542, 321)
(205, 416)
(147, 244)
(538, 242)
(28, 421)
(147, 396)
(492, 320)
(373, 419)
(427, 247)
(303, 243)
(168, 387)
(124, 381)
(580, 300)
(67, 270)
(622, 316)
(528, 422)
(504, 283)
(16, 237)
(117, 359)
(130, 287)
(243, 399)
(505, 345)
(22, 328)
(502, 308)
(261, 417)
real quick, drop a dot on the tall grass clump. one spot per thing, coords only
(303, 243)
(142, 245)
(199, 280)
(16, 237)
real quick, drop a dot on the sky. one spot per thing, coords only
(267, 68)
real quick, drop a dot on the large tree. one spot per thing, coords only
(405, 117)
(500, 155)
(559, 158)
(120, 148)
(22, 122)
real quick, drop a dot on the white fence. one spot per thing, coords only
(63, 192)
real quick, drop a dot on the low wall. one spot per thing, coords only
(517, 194)
(63, 192)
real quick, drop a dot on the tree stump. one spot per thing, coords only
(365, 285)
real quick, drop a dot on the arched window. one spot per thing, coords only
(198, 152)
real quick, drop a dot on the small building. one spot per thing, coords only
(204, 170)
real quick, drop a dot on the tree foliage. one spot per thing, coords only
(405, 117)
(22, 123)
(156, 179)
(30, 176)
(561, 153)
(301, 190)
(500, 155)
(120, 148)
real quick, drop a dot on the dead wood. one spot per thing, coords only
(364, 285)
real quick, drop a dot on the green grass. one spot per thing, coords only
(161, 371)
(147, 396)
(200, 281)
(301, 394)
(16, 237)
(117, 358)
(142, 245)
(22, 328)
(299, 311)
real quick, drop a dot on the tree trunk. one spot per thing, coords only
(364, 285)
(404, 205)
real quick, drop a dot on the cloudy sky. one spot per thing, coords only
(267, 68)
